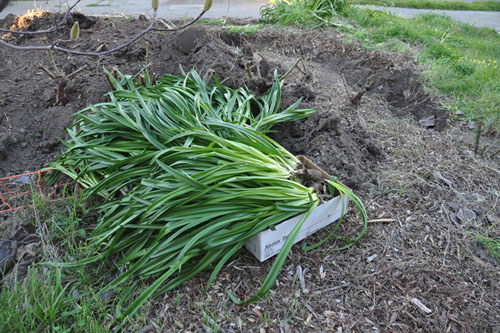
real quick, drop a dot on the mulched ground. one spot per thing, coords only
(419, 269)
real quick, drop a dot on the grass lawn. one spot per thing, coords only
(427, 4)
(461, 62)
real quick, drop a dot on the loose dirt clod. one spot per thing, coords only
(191, 39)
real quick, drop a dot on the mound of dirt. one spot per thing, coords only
(25, 145)
(419, 185)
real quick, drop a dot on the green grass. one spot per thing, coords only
(427, 4)
(491, 244)
(247, 30)
(53, 299)
(46, 302)
(309, 13)
(462, 62)
(49, 299)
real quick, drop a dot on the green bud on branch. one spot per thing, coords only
(208, 5)
(75, 32)
(155, 4)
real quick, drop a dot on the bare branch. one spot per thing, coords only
(182, 26)
(77, 71)
(52, 60)
(48, 72)
(56, 47)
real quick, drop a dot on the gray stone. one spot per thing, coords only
(465, 215)
(440, 177)
(454, 206)
(428, 121)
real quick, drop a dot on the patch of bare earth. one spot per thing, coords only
(419, 269)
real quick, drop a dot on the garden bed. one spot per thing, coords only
(426, 193)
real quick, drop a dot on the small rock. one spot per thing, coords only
(322, 273)
(150, 328)
(470, 214)
(428, 121)
(107, 295)
(69, 68)
(440, 177)
(454, 206)
(48, 95)
(24, 145)
(480, 197)
(371, 258)
(465, 215)
(472, 126)
(491, 218)
(24, 180)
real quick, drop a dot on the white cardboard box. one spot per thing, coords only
(269, 242)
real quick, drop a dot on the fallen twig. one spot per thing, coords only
(382, 221)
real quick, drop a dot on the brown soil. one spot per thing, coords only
(432, 194)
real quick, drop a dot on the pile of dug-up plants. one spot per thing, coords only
(188, 176)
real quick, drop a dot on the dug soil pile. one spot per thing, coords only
(420, 267)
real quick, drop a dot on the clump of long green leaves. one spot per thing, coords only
(187, 175)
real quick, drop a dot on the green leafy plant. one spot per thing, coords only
(303, 12)
(492, 244)
(247, 30)
(187, 175)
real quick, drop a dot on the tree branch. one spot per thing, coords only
(77, 71)
(182, 26)
(56, 47)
